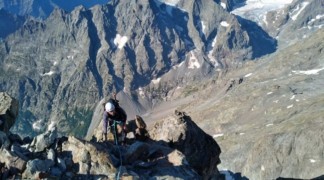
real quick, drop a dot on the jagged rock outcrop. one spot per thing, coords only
(8, 111)
(120, 46)
(50, 156)
(200, 149)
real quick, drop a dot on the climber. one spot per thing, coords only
(114, 119)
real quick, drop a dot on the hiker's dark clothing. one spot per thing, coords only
(120, 117)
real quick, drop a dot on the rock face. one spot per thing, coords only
(267, 116)
(181, 133)
(8, 112)
(123, 46)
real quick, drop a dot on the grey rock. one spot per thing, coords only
(137, 151)
(20, 151)
(55, 171)
(4, 141)
(12, 162)
(8, 111)
(61, 164)
(51, 155)
(91, 158)
(36, 166)
(181, 133)
(43, 141)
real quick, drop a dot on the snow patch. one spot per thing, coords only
(269, 93)
(292, 97)
(210, 53)
(242, 134)
(256, 10)
(70, 57)
(51, 126)
(262, 168)
(38, 125)
(170, 2)
(290, 106)
(269, 125)
(223, 5)
(224, 24)
(276, 101)
(203, 26)
(312, 160)
(217, 135)
(248, 75)
(299, 10)
(318, 17)
(120, 41)
(309, 72)
(193, 62)
(156, 81)
(141, 92)
(48, 73)
(55, 63)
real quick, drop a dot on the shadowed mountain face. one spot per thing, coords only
(9, 23)
(120, 46)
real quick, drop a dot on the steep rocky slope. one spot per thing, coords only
(121, 46)
(268, 115)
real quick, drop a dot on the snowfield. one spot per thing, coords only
(256, 9)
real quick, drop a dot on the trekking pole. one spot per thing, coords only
(116, 142)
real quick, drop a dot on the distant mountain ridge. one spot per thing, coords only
(43, 8)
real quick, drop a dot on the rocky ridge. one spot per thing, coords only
(50, 156)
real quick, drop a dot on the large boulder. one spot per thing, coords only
(91, 158)
(12, 162)
(181, 133)
(8, 111)
(43, 141)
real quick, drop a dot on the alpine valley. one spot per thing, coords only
(250, 73)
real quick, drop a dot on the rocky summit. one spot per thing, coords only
(247, 73)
